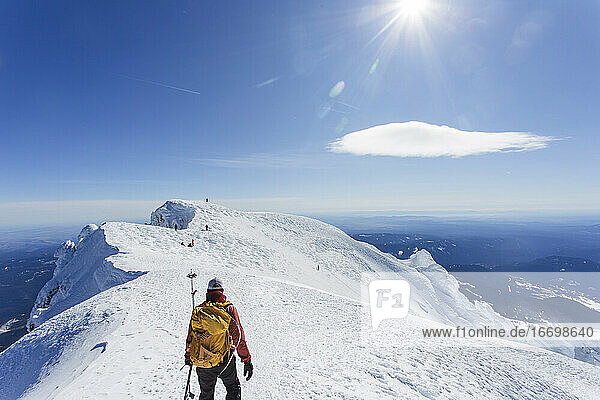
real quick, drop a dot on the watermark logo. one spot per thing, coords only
(389, 299)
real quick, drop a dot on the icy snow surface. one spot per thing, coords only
(115, 328)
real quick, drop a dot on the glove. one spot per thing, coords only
(188, 360)
(248, 369)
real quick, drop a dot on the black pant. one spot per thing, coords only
(207, 377)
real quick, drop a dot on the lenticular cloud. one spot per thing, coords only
(420, 139)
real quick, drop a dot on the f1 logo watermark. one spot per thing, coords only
(389, 299)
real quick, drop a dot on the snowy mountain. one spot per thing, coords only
(112, 321)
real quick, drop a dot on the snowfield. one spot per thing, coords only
(112, 321)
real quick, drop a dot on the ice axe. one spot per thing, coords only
(192, 275)
(188, 394)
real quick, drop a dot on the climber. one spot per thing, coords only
(214, 333)
(207, 228)
(191, 243)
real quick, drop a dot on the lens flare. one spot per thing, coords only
(374, 67)
(337, 89)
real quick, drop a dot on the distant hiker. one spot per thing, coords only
(175, 226)
(317, 267)
(207, 199)
(191, 243)
(215, 332)
(207, 228)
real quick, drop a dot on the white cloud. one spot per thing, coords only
(420, 139)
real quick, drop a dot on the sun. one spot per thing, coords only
(413, 8)
(409, 20)
(406, 14)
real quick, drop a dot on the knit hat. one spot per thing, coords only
(215, 284)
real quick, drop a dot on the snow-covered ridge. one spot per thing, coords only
(270, 244)
(296, 245)
(116, 314)
(173, 214)
(82, 271)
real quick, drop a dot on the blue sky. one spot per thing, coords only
(137, 103)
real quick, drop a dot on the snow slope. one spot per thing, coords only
(116, 326)
(82, 270)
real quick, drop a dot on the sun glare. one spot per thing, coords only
(409, 15)
(412, 8)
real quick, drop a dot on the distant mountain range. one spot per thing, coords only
(544, 264)
(515, 253)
